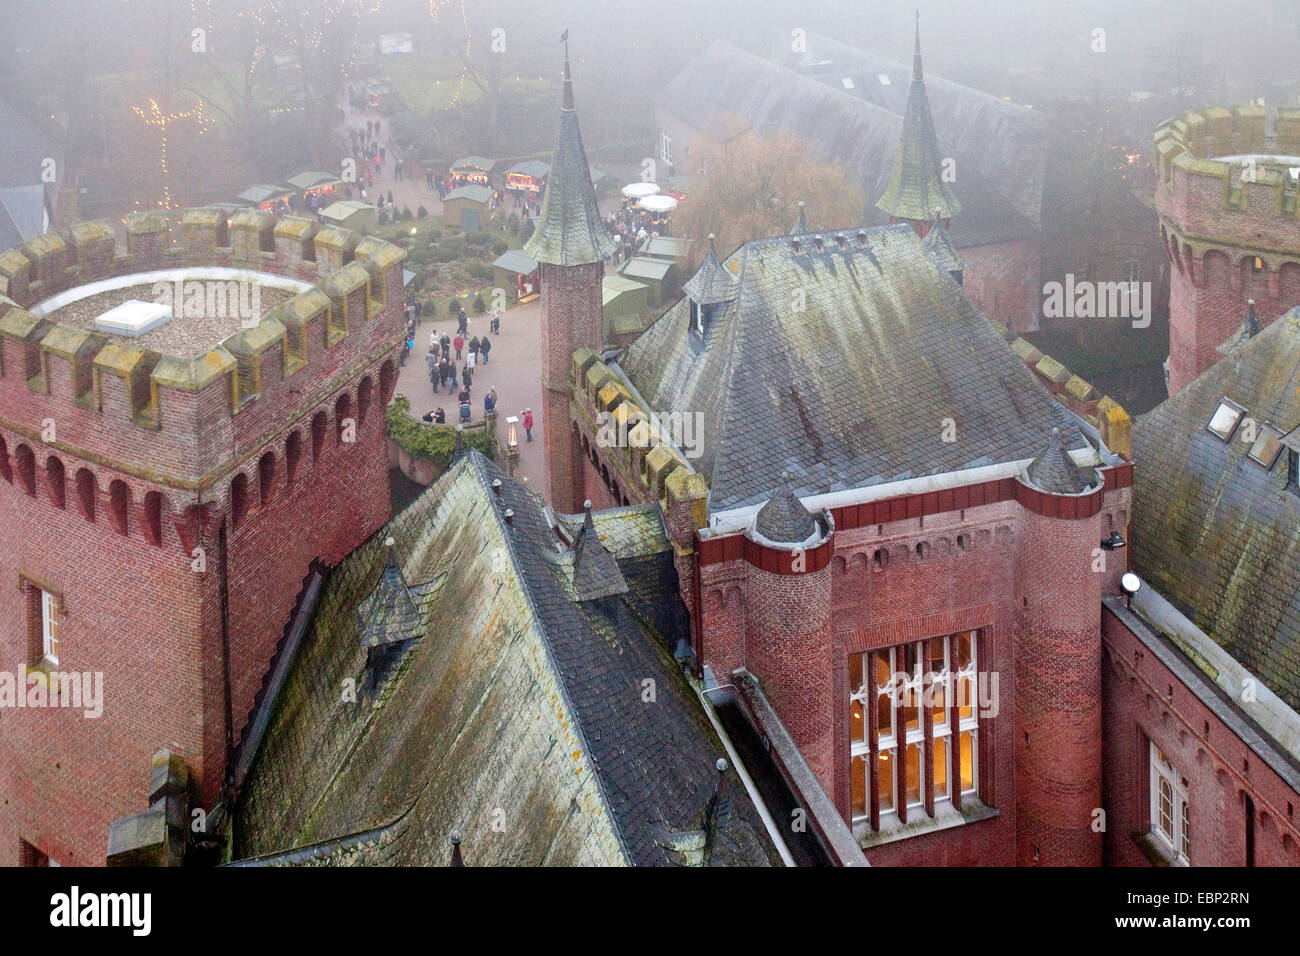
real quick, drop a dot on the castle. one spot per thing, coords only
(167, 496)
(1226, 195)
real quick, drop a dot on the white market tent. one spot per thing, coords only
(640, 190)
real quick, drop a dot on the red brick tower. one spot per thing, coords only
(571, 245)
(917, 194)
(1227, 202)
(164, 497)
(788, 622)
(1058, 663)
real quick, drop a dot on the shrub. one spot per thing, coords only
(478, 305)
(512, 224)
(454, 306)
(422, 213)
(526, 230)
(499, 247)
(406, 213)
(479, 238)
(433, 442)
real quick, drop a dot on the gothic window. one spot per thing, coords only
(913, 731)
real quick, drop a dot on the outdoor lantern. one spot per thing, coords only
(1129, 583)
(1113, 543)
(512, 436)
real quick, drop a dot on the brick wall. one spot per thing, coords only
(1002, 279)
(1219, 767)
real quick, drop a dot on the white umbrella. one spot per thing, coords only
(640, 190)
(658, 203)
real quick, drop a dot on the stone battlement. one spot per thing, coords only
(1225, 156)
(179, 418)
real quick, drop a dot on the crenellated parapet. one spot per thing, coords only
(182, 417)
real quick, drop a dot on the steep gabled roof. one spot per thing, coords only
(1214, 531)
(570, 231)
(916, 189)
(853, 389)
(941, 250)
(518, 698)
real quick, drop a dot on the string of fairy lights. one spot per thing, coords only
(276, 22)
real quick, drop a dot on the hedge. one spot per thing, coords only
(434, 443)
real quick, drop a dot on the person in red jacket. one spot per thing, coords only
(459, 342)
(528, 423)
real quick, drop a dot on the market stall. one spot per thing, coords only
(528, 177)
(658, 207)
(349, 214)
(265, 197)
(635, 192)
(467, 207)
(471, 171)
(519, 274)
(313, 182)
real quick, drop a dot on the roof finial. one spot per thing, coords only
(917, 73)
(568, 78)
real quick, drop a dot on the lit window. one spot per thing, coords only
(1169, 815)
(1225, 419)
(847, 82)
(913, 719)
(1267, 446)
(49, 627)
(666, 148)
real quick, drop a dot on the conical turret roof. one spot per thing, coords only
(1055, 472)
(784, 518)
(916, 188)
(712, 282)
(570, 232)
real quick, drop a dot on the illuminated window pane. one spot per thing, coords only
(1166, 809)
(911, 712)
(940, 768)
(883, 670)
(885, 767)
(939, 696)
(911, 657)
(855, 673)
(858, 784)
(857, 722)
(1186, 842)
(965, 649)
(885, 715)
(967, 756)
(966, 694)
(937, 648)
(913, 774)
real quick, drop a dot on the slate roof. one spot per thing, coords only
(1213, 531)
(916, 188)
(530, 167)
(1000, 148)
(472, 192)
(800, 224)
(852, 391)
(1248, 329)
(388, 615)
(519, 707)
(516, 261)
(570, 231)
(1055, 472)
(712, 283)
(784, 518)
(23, 196)
(479, 163)
(941, 250)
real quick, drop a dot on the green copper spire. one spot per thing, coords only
(570, 232)
(916, 189)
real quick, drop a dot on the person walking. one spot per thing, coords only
(528, 423)
(490, 400)
(465, 412)
(471, 360)
(462, 322)
(463, 395)
(495, 323)
(444, 372)
(433, 376)
(473, 348)
(485, 346)
(451, 373)
(467, 374)
(431, 357)
(459, 342)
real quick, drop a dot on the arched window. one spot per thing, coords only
(880, 560)
(119, 506)
(239, 499)
(387, 381)
(318, 426)
(292, 456)
(266, 477)
(5, 471)
(153, 502)
(25, 466)
(56, 482)
(86, 493)
(923, 549)
(365, 394)
(343, 417)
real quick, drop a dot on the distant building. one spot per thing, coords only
(31, 174)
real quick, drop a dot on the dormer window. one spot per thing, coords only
(1225, 419)
(1268, 445)
(697, 318)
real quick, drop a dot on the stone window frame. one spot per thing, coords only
(1166, 783)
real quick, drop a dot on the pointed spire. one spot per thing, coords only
(800, 224)
(942, 251)
(916, 188)
(570, 231)
(388, 614)
(713, 282)
(917, 73)
(784, 518)
(456, 858)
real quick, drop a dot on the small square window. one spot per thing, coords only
(1267, 446)
(847, 81)
(1225, 419)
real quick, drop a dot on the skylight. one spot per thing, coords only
(1267, 446)
(847, 81)
(884, 79)
(1225, 419)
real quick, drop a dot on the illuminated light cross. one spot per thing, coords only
(156, 117)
